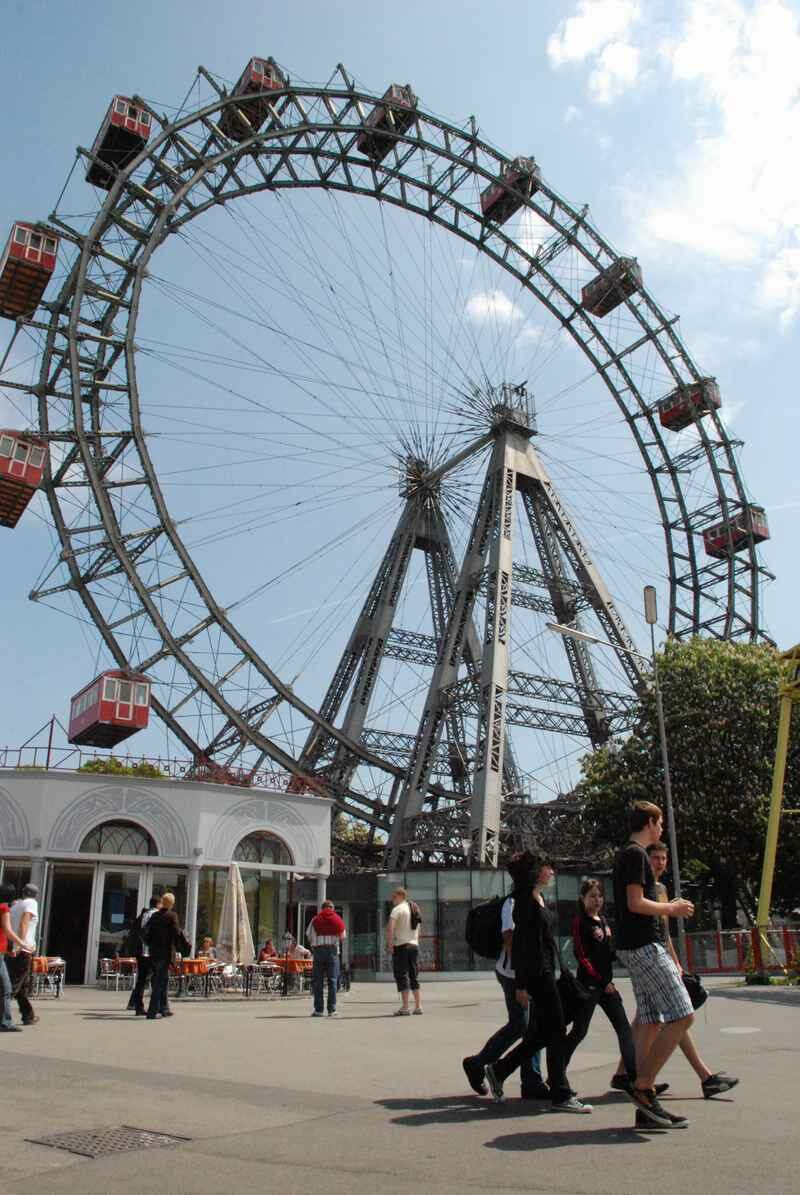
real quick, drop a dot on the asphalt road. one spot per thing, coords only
(270, 1098)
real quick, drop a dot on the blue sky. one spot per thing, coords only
(677, 122)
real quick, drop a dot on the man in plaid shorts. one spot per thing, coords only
(664, 1010)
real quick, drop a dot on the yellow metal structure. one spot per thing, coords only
(789, 694)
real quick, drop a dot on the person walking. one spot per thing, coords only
(532, 1086)
(402, 943)
(663, 1008)
(533, 958)
(24, 918)
(591, 938)
(711, 1083)
(164, 938)
(139, 947)
(325, 935)
(7, 936)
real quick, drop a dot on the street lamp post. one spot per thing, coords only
(651, 615)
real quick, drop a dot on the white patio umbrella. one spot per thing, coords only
(235, 938)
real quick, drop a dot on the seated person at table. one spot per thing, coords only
(267, 951)
(207, 949)
(298, 951)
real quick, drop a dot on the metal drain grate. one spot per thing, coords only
(95, 1143)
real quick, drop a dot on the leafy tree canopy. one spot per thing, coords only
(110, 765)
(721, 712)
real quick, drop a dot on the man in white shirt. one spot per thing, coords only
(402, 942)
(24, 915)
(532, 1085)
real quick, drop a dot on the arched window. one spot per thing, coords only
(118, 838)
(262, 847)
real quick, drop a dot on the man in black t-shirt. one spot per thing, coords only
(664, 1011)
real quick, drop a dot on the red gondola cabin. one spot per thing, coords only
(22, 457)
(688, 402)
(612, 286)
(28, 260)
(734, 535)
(395, 114)
(122, 135)
(259, 78)
(498, 202)
(110, 709)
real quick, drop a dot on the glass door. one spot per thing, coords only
(117, 904)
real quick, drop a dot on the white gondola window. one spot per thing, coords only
(142, 694)
(258, 67)
(37, 457)
(121, 107)
(49, 246)
(21, 452)
(21, 236)
(109, 689)
(6, 445)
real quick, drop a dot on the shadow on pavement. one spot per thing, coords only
(760, 995)
(535, 1140)
(456, 1109)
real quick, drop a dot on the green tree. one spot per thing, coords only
(111, 766)
(721, 713)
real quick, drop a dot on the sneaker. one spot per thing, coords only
(623, 1083)
(417, 1012)
(10, 1029)
(535, 1092)
(475, 1076)
(332, 1012)
(572, 1105)
(495, 1084)
(646, 1101)
(318, 1014)
(716, 1084)
(646, 1125)
(402, 1012)
(31, 1020)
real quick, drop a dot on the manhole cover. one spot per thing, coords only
(95, 1143)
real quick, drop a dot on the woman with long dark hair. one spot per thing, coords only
(591, 937)
(533, 959)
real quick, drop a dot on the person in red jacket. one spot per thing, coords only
(325, 934)
(591, 937)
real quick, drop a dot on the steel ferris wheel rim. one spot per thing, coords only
(170, 166)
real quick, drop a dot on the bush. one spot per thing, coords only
(111, 766)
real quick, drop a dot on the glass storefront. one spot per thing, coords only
(262, 890)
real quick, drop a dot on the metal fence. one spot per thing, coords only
(717, 952)
(72, 759)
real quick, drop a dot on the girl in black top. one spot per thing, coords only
(533, 958)
(591, 938)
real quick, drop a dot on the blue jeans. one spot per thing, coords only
(159, 980)
(512, 1031)
(5, 994)
(326, 967)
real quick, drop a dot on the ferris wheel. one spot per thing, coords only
(343, 405)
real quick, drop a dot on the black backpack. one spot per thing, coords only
(415, 914)
(482, 930)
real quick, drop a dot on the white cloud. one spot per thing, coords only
(730, 193)
(780, 286)
(495, 305)
(571, 114)
(598, 32)
(617, 69)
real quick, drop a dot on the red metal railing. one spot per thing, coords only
(720, 952)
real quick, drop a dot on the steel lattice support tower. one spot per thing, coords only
(514, 469)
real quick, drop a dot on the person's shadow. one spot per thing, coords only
(540, 1138)
(455, 1109)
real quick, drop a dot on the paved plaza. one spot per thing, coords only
(272, 1099)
